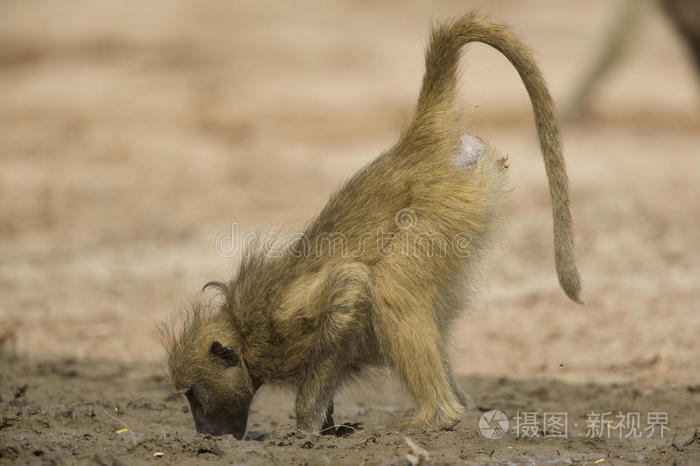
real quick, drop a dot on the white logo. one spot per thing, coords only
(405, 218)
(493, 424)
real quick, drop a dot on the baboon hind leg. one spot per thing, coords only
(464, 399)
(411, 342)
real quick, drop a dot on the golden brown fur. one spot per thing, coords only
(378, 277)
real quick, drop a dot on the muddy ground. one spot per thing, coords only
(139, 143)
(103, 412)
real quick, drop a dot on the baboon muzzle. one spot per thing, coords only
(219, 422)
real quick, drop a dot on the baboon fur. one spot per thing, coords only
(310, 319)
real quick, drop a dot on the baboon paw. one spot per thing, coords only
(342, 430)
(328, 422)
(309, 425)
(449, 424)
(444, 420)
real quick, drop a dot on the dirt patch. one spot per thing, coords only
(102, 412)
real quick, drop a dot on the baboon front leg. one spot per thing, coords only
(328, 422)
(314, 402)
(345, 294)
(411, 342)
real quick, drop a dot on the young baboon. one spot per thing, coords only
(411, 224)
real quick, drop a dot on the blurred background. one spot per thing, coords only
(135, 133)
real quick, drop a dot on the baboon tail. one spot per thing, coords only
(434, 119)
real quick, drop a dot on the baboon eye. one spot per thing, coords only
(225, 353)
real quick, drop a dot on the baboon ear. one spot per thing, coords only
(225, 353)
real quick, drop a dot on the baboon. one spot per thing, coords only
(310, 320)
(685, 18)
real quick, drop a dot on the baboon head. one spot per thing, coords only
(205, 363)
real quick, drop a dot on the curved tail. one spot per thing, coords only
(434, 119)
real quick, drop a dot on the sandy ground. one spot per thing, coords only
(135, 135)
